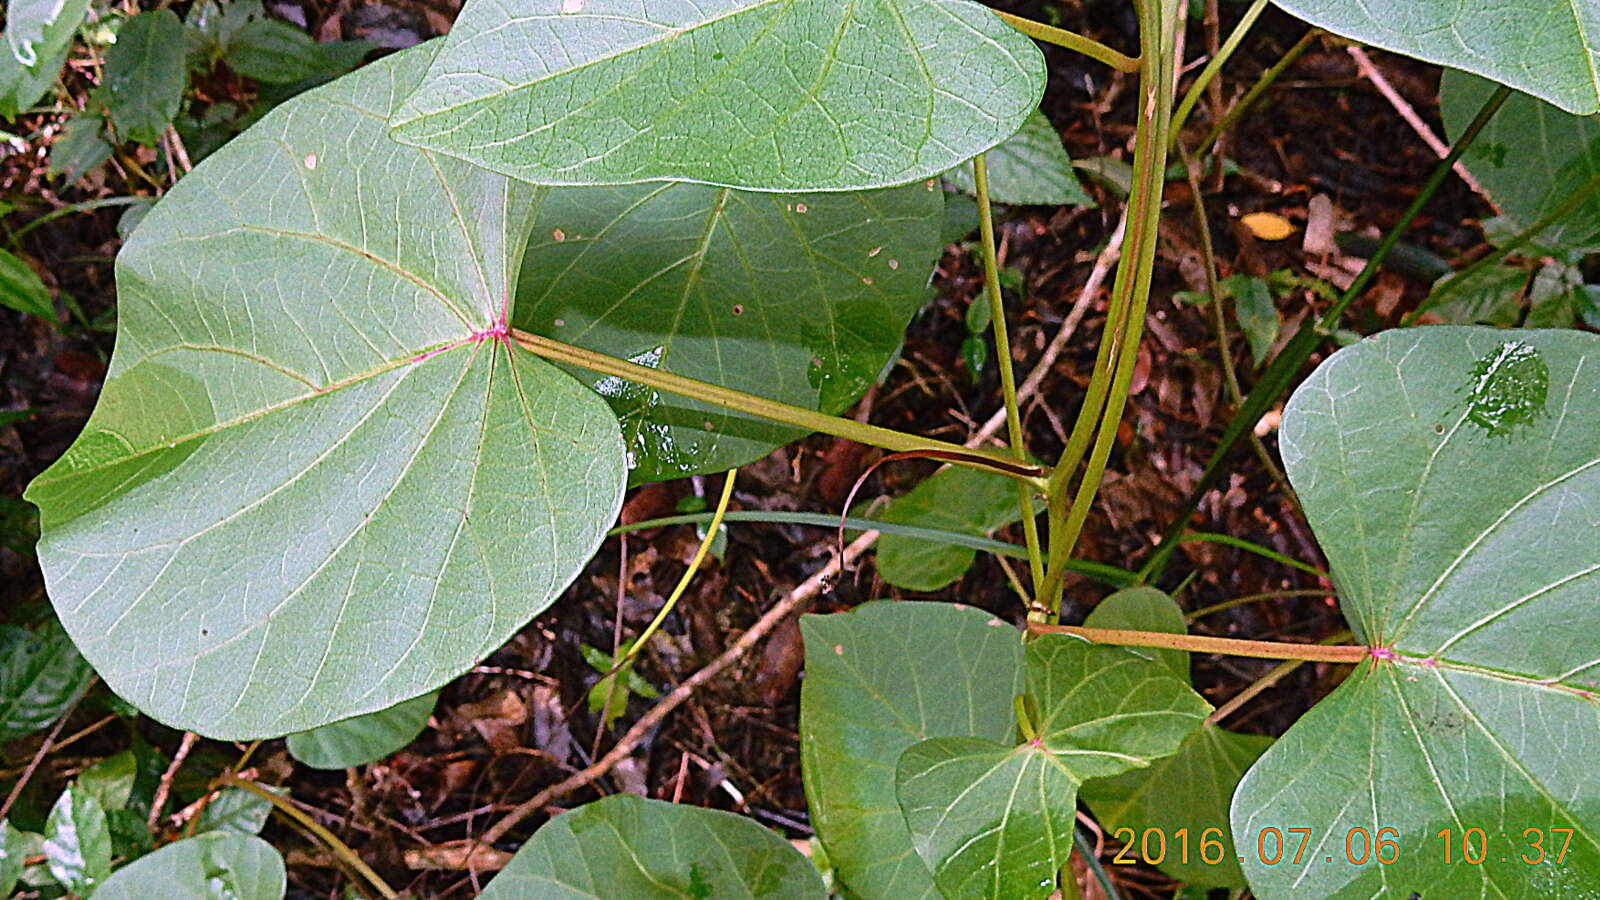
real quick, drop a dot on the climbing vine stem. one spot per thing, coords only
(688, 574)
(1106, 397)
(1002, 352)
(339, 848)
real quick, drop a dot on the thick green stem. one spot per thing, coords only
(1108, 390)
(1008, 376)
(1213, 67)
(1196, 643)
(1282, 370)
(1072, 41)
(777, 411)
(1517, 242)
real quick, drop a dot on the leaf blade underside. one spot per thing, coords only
(778, 95)
(317, 482)
(1457, 514)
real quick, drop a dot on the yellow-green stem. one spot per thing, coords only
(1213, 67)
(1002, 352)
(774, 410)
(1129, 295)
(338, 847)
(688, 574)
(1071, 40)
(1256, 90)
(1196, 643)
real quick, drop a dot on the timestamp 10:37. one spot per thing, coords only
(1274, 846)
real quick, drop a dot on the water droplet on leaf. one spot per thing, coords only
(1508, 388)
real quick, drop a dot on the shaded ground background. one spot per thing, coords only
(520, 722)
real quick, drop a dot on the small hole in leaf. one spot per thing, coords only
(738, 309)
(1438, 428)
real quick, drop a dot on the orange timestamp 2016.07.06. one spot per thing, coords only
(1361, 846)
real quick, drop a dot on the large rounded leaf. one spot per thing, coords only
(781, 95)
(1453, 478)
(1530, 158)
(209, 867)
(317, 481)
(879, 679)
(1549, 48)
(799, 298)
(627, 846)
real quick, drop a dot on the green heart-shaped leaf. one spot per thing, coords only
(1173, 814)
(215, 866)
(878, 679)
(990, 820)
(993, 820)
(318, 479)
(1549, 48)
(627, 846)
(799, 298)
(781, 95)
(1144, 609)
(1453, 478)
(362, 739)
